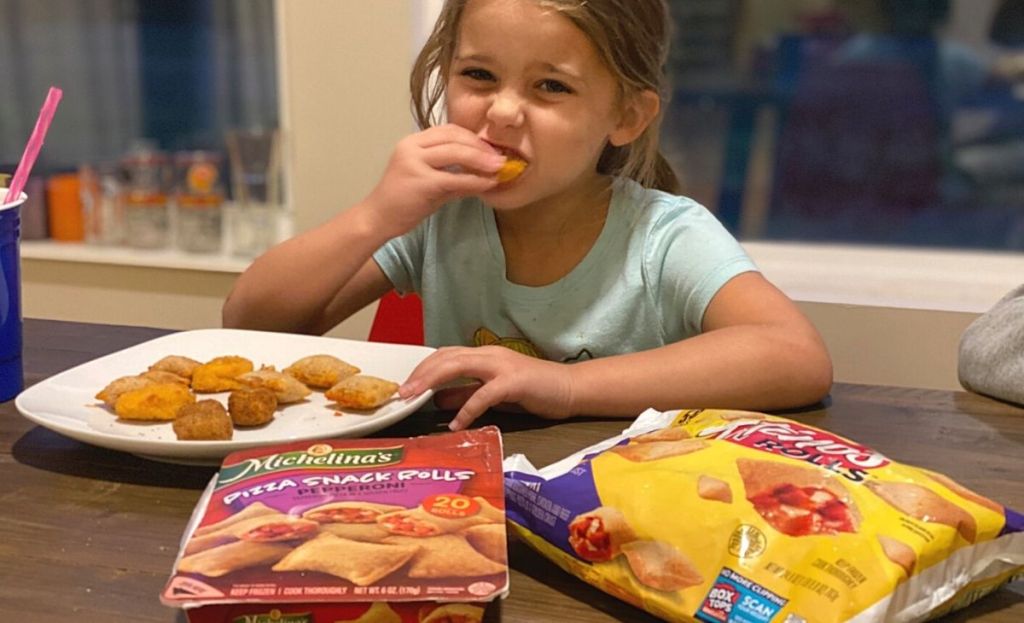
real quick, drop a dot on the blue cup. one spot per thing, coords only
(12, 378)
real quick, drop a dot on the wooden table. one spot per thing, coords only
(90, 534)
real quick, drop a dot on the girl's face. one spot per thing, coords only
(531, 84)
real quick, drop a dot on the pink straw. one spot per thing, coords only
(35, 143)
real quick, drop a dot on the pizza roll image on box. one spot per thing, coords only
(360, 563)
(446, 556)
(298, 529)
(765, 519)
(598, 535)
(451, 613)
(262, 529)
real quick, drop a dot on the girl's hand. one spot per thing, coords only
(428, 169)
(543, 388)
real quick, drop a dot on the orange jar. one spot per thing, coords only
(64, 204)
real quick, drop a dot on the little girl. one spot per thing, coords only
(581, 286)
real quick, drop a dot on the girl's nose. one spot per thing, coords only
(506, 109)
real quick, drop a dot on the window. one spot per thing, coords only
(175, 73)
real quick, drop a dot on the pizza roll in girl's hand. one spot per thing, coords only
(362, 392)
(512, 169)
(321, 371)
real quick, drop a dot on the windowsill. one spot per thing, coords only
(941, 280)
(123, 256)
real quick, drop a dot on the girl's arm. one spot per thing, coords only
(312, 282)
(757, 352)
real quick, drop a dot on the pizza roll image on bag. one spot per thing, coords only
(728, 516)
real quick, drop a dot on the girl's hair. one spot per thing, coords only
(631, 37)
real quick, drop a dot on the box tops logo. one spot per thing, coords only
(792, 440)
(318, 456)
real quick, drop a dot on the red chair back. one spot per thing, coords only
(399, 320)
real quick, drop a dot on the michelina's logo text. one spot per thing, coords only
(334, 459)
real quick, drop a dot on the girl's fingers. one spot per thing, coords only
(451, 133)
(465, 156)
(437, 369)
(452, 398)
(489, 395)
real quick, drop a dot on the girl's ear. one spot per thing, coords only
(638, 112)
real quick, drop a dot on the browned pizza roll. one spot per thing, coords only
(899, 552)
(924, 504)
(220, 374)
(655, 450)
(321, 371)
(379, 612)
(162, 376)
(361, 392)
(120, 385)
(159, 401)
(202, 420)
(232, 557)
(488, 539)
(451, 613)
(265, 528)
(711, 488)
(797, 500)
(512, 169)
(251, 406)
(660, 565)
(669, 433)
(598, 535)
(964, 492)
(416, 522)
(349, 512)
(176, 364)
(256, 509)
(360, 563)
(287, 389)
(446, 556)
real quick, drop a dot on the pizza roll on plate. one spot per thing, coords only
(321, 371)
(360, 563)
(220, 374)
(361, 392)
(159, 401)
(286, 388)
(598, 535)
(232, 557)
(660, 565)
(176, 364)
(121, 385)
(446, 556)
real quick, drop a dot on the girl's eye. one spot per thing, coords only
(554, 86)
(477, 74)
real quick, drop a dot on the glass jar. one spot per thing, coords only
(146, 203)
(199, 196)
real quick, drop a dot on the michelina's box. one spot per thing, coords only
(348, 531)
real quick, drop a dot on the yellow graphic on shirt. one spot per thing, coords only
(486, 337)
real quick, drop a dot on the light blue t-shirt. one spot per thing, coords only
(645, 283)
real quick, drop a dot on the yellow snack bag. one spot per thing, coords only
(734, 516)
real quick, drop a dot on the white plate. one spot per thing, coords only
(66, 402)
